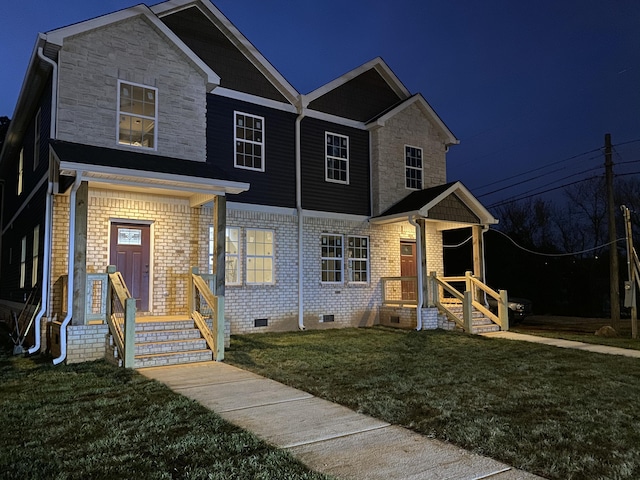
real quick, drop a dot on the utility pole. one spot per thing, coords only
(630, 286)
(614, 288)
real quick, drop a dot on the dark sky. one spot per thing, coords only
(523, 85)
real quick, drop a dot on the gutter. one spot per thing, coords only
(70, 267)
(419, 270)
(46, 264)
(301, 115)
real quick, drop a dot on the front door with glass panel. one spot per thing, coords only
(130, 254)
(408, 269)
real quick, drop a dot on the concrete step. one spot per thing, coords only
(174, 358)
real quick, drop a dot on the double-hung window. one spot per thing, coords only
(358, 257)
(331, 258)
(232, 252)
(20, 171)
(413, 167)
(36, 141)
(34, 255)
(23, 261)
(137, 115)
(260, 256)
(249, 141)
(337, 158)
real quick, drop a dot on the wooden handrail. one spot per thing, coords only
(213, 336)
(121, 303)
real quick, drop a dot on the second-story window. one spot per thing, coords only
(337, 158)
(36, 142)
(20, 171)
(413, 167)
(249, 141)
(137, 115)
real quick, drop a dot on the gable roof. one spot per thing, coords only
(183, 16)
(359, 94)
(450, 202)
(429, 112)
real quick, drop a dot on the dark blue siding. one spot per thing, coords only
(318, 194)
(276, 185)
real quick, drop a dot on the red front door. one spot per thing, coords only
(130, 254)
(408, 269)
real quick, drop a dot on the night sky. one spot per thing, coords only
(524, 86)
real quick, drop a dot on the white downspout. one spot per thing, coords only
(48, 214)
(70, 276)
(300, 220)
(419, 270)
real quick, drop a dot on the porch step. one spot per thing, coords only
(479, 323)
(161, 341)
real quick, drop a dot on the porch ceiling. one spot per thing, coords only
(449, 205)
(141, 172)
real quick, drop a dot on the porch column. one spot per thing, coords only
(478, 252)
(80, 255)
(219, 239)
(422, 268)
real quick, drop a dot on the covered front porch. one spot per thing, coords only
(424, 297)
(132, 246)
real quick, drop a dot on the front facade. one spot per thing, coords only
(159, 139)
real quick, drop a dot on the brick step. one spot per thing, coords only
(174, 358)
(155, 326)
(492, 327)
(166, 335)
(170, 346)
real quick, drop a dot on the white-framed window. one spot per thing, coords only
(331, 258)
(337, 158)
(358, 258)
(413, 167)
(137, 115)
(36, 141)
(260, 256)
(232, 256)
(20, 171)
(232, 252)
(23, 261)
(249, 141)
(34, 255)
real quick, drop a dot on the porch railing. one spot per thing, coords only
(204, 304)
(474, 295)
(97, 294)
(121, 316)
(399, 291)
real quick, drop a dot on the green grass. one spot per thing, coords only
(559, 413)
(97, 421)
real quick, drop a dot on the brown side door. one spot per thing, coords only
(130, 245)
(408, 269)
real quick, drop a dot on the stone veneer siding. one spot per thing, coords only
(409, 127)
(133, 50)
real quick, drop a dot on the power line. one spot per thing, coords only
(556, 254)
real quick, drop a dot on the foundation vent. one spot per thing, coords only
(261, 322)
(394, 319)
(327, 318)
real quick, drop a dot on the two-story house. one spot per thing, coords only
(157, 139)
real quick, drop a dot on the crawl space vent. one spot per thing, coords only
(260, 322)
(327, 318)
(394, 319)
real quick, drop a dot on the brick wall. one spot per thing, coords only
(90, 66)
(409, 127)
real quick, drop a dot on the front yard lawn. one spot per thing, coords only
(97, 421)
(562, 414)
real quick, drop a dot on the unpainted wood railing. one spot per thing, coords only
(473, 296)
(121, 316)
(204, 304)
(399, 291)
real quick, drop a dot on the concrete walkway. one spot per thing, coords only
(556, 342)
(325, 436)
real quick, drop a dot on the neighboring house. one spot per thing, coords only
(157, 139)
